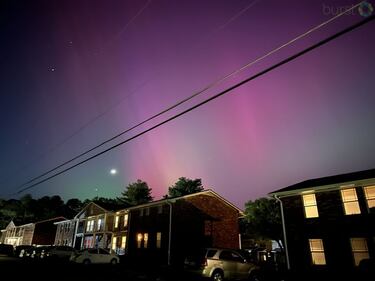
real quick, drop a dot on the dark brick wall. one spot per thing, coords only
(332, 225)
(225, 228)
(44, 233)
(150, 224)
(197, 222)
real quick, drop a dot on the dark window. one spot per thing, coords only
(211, 253)
(230, 256)
(103, 252)
(92, 251)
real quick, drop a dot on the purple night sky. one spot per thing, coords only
(75, 73)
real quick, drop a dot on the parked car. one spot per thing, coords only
(6, 250)
(88, 256)
(59, 252)
(219, 264)
(21, 250)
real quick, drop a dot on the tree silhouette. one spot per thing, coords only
(263, 219)
(184, 186)
(136, 193)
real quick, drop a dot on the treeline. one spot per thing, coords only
(262, 217)
(28, 209)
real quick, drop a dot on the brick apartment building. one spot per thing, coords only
(166, 230)
(38, 233)
(329, 223)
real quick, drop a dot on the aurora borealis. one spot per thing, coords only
(75, 73)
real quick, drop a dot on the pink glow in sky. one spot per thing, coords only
(311, 118)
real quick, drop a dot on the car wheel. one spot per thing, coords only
(218, 275)
(113, 261)
(87, 261)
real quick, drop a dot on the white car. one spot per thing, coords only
(88, 256)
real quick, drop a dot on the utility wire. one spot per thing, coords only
(209, 86)
(261, 73)
(85, 125)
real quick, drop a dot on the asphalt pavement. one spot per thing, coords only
(20, 269)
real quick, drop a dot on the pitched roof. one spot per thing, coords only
(87, 206)
(173, 199)
(52, 219)
(327, 182)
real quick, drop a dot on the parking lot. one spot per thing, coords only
(21, 269)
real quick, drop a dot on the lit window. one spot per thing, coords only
(100, 224)
(141, 212)
(90, 226)
(317, 251)
(116, 221)
(139, 240)
(158, 240)
(145, 240)
(311, 209)
(123, 242)
(147, 211)
(160, 209)
(114, 243)
(359, 249)
(370, 196)
(350, 200)
(126, 218)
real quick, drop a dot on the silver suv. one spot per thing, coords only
(219, 264)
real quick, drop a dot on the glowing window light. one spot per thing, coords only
(317, 251)
(350, 200)
(311, 208)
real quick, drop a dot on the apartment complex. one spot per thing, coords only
(38, 233)
(329, 223)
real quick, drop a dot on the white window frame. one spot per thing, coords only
(346, 202)
(310, 206)
(370, 199)
(117, 218)
(90, 225)
(99, 225)
(317, 254)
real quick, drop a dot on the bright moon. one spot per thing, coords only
(113, 171)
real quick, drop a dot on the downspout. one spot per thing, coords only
(170, 233)
(284, 232)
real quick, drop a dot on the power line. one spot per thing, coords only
(53, 147)
(287, 60)
(119, 34)
(209, 86)
(85, 125)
